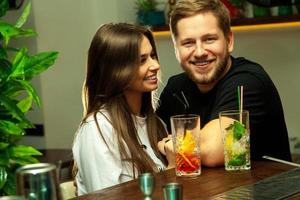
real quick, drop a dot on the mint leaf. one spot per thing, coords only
(238, 130)
(238, 160)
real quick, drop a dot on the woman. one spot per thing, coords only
(118, 136)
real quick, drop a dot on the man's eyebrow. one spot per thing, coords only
(186, 39)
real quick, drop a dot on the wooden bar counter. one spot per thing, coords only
(211, 182)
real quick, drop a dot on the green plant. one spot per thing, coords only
(17, 68)
(146, 5)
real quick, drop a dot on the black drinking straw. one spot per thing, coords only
(186, 106)
(181, 102)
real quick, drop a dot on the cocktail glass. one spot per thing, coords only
(236, 138)
(186, 143)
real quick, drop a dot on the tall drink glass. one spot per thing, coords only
(236, 137)
(186, 143)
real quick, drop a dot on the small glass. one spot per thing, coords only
(186, 143)
(147, 183)
(172, 191)
(38, 181)
(236, 138)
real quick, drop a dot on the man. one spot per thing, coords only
(203, 43)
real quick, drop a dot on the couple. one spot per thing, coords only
(121, 135)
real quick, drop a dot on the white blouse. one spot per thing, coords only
(98, 166)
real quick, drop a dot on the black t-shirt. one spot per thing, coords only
(268, 132)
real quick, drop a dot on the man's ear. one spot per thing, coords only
(175, 48)
(176, 53)
(230, 40)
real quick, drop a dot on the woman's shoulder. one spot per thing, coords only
(101, 115)
(91, 125)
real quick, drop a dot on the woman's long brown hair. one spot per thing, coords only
(113, 59)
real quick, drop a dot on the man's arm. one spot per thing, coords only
(211, 144)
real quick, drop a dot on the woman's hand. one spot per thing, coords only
(165, 146)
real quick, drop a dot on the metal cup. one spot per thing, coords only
(38, 182)
(147, 183)
(172, 191)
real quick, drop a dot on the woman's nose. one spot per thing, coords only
(154, 65)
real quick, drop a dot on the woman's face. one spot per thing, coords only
(146, 78)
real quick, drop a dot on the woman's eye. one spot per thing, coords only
(143, 60)
(153, 56)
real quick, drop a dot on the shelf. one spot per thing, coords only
(249, 24)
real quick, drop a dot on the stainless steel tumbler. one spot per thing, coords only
(12, 198)
(147, 183)
(173, 191)
(38, 182)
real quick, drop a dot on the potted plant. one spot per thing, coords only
(147, 13)
(17, 68)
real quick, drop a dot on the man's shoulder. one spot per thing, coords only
(243, 68)
(178, 77)
(242, 64)
(177, 81)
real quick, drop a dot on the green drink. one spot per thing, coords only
(236, 137)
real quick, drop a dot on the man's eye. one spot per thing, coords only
(210, 40)
(188, 43)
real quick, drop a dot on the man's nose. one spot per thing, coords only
(199, 49)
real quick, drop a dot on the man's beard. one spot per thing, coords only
(216, 73)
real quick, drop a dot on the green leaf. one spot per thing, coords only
(31, 91)
(3, 177)
(19, 63)
(13, 109)
(238, 160)
(3, 7)
(9, 127)
(5, 69)
(25, 104)
(25, 33)
(9, 31)
(12, 89)
(25, 160)
(3, 145)
(146, 5)
(24, 16)
(3, 54)
(4, 159)
(10, 186)
(24, 125)
(23, 151)
(39, 63)
(239, 130)
(14, 139)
